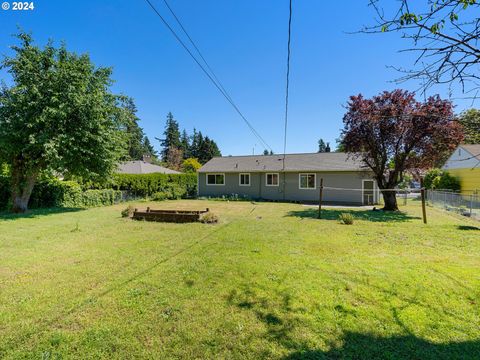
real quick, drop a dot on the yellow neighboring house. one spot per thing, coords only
(464, 163)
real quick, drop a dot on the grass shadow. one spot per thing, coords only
(367, 215)
(364, 346)
(467, 227)
(34, 213)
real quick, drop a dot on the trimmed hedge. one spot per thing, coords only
(166, 186)
(51, 192)
(57, 193)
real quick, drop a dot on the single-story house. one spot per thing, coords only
(142, 167)
(464, 163)
(297, 178)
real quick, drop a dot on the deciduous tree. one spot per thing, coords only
(392, 132)
(58, 115)
(191, 165)
(443, 34)
(470, 120)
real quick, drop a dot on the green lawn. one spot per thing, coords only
(269, 281)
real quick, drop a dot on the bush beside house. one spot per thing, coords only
(441, 180)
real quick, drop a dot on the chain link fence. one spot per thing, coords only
(467, 204)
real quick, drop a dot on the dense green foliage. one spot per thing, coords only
(191, 165)
(138, 143)
(470, 120)
(270, 281)
(177, 147)
(441, 180)
(51, 192)
(159, 185)
(323, 146)
(171, 137)
(58, 115)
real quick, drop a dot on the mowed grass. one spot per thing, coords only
(269, 281)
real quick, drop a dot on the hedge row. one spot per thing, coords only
(169, 186)
(56, 193)
(52, 192)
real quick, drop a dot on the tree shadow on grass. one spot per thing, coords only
(35, 213)
(467, 227)
(284, 319)
(368, 215)
(364, 346)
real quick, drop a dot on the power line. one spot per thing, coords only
(216, 83)
(287, 83)
(195, 47)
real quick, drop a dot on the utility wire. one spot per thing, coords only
(287, 84)
(196, 47)
(216, 83)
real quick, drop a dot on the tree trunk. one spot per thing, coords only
(390, 199)
(22, 186)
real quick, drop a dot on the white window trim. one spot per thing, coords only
(224, 179)
(307, 188)
(240, 178)
(278, 179)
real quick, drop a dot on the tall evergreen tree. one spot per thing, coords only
(148, 148)
(194, 144)
(171, 137)
(135, 135)
(185, 144)
(207, 149)
(321, 146)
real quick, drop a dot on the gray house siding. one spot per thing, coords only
(259, 190)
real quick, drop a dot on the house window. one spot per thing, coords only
(215, 179)
(307, 181)
(272, 179)
(244, 179)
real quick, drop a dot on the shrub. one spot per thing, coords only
(346, 218)
(442, 180)
(173, 185)
(430, 176)
(52, 192)
(128, 211)
(191, 165)
(209, 218)
(159, 196)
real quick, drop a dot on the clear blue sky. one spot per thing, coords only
(245, 42)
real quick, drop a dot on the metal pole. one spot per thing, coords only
(320, 199)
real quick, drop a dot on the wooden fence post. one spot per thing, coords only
(320, 199)
(424, 210)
